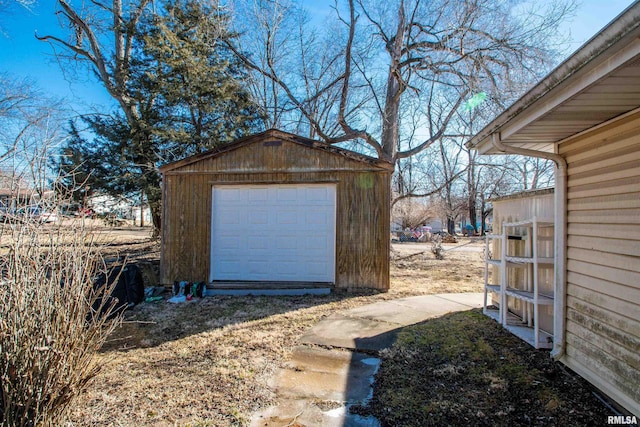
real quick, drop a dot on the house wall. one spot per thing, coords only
(362, 208)
(603, 266)
(517, 208)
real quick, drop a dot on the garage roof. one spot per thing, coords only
(599, 82)
(277, 135)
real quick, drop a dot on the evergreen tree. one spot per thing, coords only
(203, 100)
(189, 95)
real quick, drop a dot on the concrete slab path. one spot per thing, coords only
(333, 369)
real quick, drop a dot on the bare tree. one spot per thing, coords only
(440, 50)
(276, 31)
(30, 131)
(532, 172)
(115, 22)
(452, 163)
(89, 26)
(412, 213)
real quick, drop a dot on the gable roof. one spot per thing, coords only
(599, 82)
(278, 135)
(524, 194)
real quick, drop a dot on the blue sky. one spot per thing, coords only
(23, 56)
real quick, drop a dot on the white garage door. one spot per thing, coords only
(273, 233)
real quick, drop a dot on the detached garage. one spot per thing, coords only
(277, 211)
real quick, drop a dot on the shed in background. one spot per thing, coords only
(276, 211)
(519, 265)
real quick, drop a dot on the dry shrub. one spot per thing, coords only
(49, 330)
(436, 247)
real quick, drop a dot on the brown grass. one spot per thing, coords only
(208, 362)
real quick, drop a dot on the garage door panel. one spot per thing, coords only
(258, 217)
(315, 247)
(274, 233)
(229, 243)
(287, 195)
(258, 245)
(318, 245)
(317, 194)
(229, 195)
(229, 217)
(258, 267)
(287, 216)
(317, 217)
(317, 267)
(229, 267)
(284, 267)
(258, 195)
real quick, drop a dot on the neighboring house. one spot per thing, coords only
(585, 116)
(14, 193)
(276, 211)
(11, 199)
(120, 207)
(104, 204)
(16, 197)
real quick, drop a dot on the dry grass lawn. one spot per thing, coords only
(207, 362)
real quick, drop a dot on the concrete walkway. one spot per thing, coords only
(334, 366)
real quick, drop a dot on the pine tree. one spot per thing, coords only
(204, 102)
(189, 93)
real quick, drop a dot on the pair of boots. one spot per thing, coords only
(185, 291)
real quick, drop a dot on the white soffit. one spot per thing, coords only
(598, 83)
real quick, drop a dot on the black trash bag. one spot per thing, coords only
(127, 291)
(134, 285)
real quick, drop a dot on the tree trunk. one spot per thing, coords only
(473, 219)
(390, 131)
(451, 225)
(142, 208)
(483, 229)
(156, 209)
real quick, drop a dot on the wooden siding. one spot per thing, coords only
(265, 156)
(362, 208)
(603, 265)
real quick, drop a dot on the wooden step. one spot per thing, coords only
(237, 288)
(241, 284)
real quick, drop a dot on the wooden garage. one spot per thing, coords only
(277, 211)
(585, 116)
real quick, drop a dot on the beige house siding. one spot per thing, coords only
(603, 259)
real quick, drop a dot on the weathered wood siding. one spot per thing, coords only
(603, 268)
(362, 207)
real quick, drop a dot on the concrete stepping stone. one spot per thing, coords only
(333, 368)
(317, 386)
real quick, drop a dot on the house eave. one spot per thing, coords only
(568, 100)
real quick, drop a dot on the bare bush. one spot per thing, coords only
(411, 213)
(52, 320)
